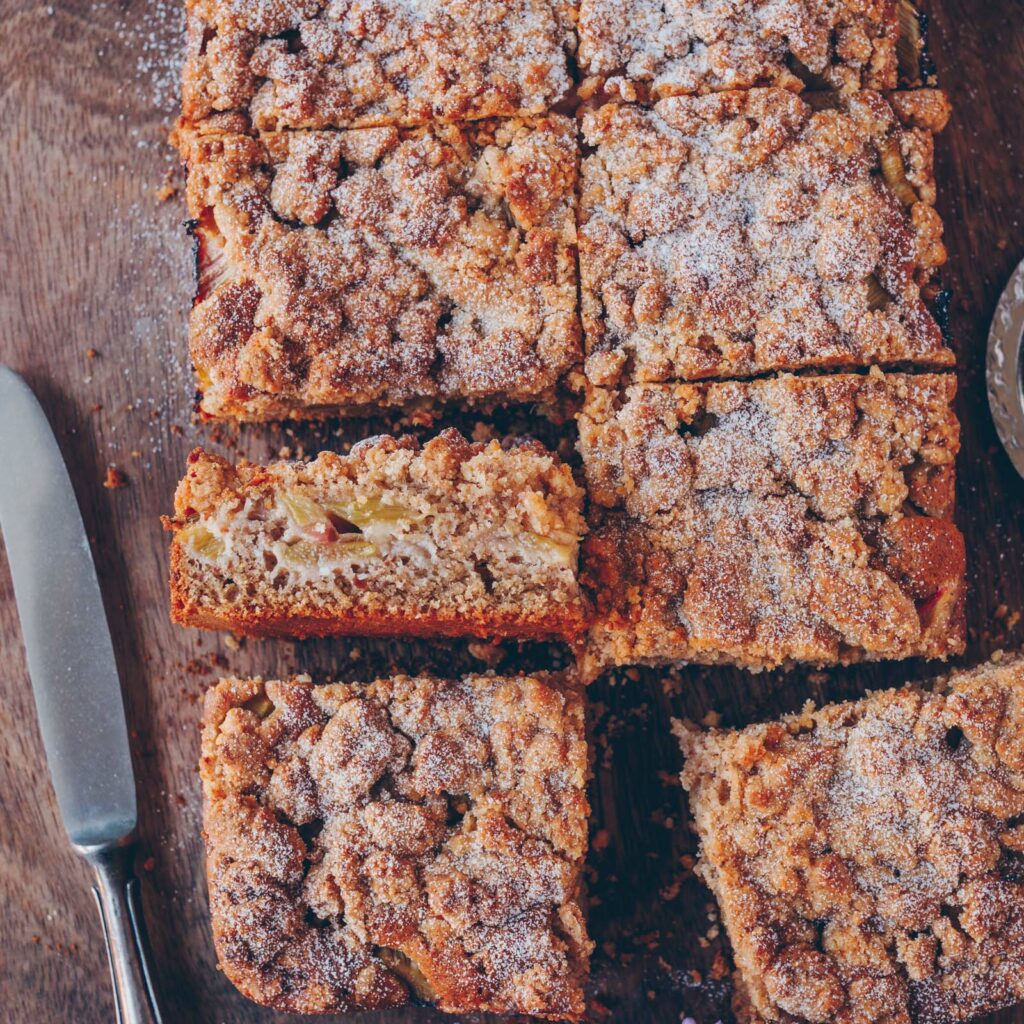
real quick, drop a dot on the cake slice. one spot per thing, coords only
(410, 838)
(868, 858)
(341, 272)
(366, 63)
(647, 49)
(743, 232)
(451, 539)
(794, 519)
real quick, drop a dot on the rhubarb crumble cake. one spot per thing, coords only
(340, 272)
(449, 539)
(741, 232)
(794, 519)
(366, 63)
(649, 49)
(410, 838)
(868, 858)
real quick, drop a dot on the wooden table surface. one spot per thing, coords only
(93, 261)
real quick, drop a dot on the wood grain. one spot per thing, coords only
(92, 260)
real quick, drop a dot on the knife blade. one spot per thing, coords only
(74, 679)
(67, 641)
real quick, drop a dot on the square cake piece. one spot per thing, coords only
(794, 519)
(648, 49)
(367, 63)
(743, 232)
(339, 272)
(451, 539)
(410, 838)
(868, 858)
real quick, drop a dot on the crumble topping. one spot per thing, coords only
(793, 519)
(868, 858)
(649, 49)
(449, 539)
(344, 271)
(410, 834)
(366, 63)
(730, 234)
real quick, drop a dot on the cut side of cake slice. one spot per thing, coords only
(794, 519)
(739, 233)
(868, 858)
(450, 539)
(412, 838)
(339, 272)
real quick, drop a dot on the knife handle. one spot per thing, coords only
(117, 896)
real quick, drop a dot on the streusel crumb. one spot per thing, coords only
(450, 539)
(410, 837)
(741, 232)
(649, 49)
(794, 519)
(339, 272)
(868, 858)
(367, 63)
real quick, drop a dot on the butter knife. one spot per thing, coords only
(75, 682)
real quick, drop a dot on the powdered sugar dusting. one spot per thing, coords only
(379, 62)
(794, 519)
(431, 265)
(443, 844)
(731, 234)
(649, 46)
(874, 840)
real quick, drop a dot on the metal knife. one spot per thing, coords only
(75, 681)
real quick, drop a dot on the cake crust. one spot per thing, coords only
(867, 857)
(763, 523)
(408, 838)
(447, 539)
(646, 50)
(368, 63)
(743, 232)
(342, 272)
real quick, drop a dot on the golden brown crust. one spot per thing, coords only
(451, 539)
(867, 857)
(646, 49)
(344, 271)
(410, 831)
(741, 232)
(793, 519)
(366, 63)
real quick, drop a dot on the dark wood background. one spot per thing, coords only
(92, 261)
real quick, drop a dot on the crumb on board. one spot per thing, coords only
(166, 190)
(114, 479)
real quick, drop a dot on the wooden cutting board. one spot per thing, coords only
(96, 282)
